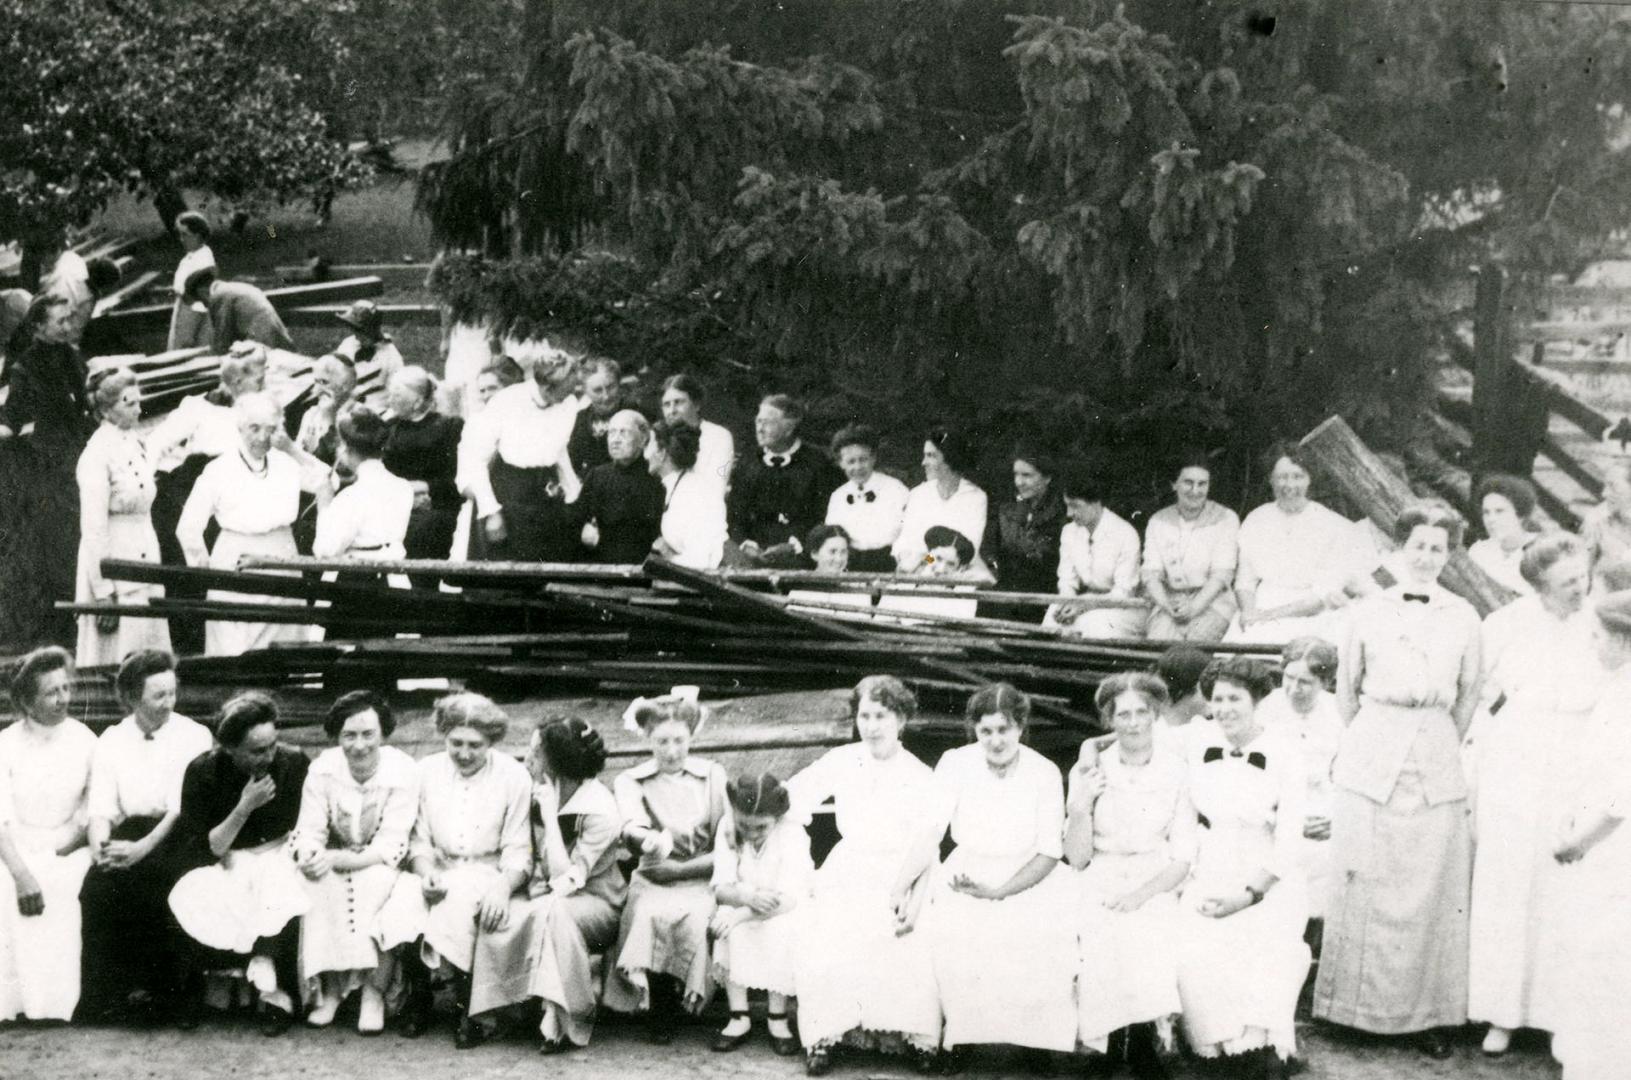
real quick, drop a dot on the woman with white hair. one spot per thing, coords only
(116, 490)
(620, 513)
(423, 449)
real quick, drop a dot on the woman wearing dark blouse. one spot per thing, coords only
(423, 449)
(620, 512)
(44, 426)
(1022, 542)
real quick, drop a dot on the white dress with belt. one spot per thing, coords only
(116, 491)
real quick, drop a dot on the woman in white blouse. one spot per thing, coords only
(1242, 960)
(116, 492)
(190, 327)
(253, 494)
(357, 810)
(946, 497)
(694, 525)
(45, 775)
(1296, 558)
(869, 506)
(1130, 830)
(1098, 559)
(1190, 553)
(683, 398)
(860, 983)
(1506, 507)
(999, 925)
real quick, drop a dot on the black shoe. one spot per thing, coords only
(954, 1061)
(1099, 1066)
(275, 1022)
(924, 1062)
(723, 1043)
(1435, 1044)
(470, 1034)
(550, 1047)
(1144, 1053)
(782, 1045)
(186, 1017)
(1040, 1062)
(817, 1062)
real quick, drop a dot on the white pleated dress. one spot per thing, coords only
(45, 776)
(757, 953)
(1006, 969)
(858, 981)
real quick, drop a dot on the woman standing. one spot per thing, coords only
(189, 326)
(693, 528)
(1540, 666)
(423, 449)
(253, 495)
(469, 854)
(116, 492)
(44, 426)
(1130, 830)
(672, 807)
(1190, 554)
(131, 941)
(357, 810)
(1305, 709)
(1242, 959)
(1394, 959)
(574, 892)
(1506, 505)
(860, 983)
(619, 515)
(999, 923)
(946, 497)
(683, 398)
(869, 505)
(45, 775)
(1295, 559)
(1022, 546)
(1593, 846)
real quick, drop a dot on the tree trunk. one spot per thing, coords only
(1344, 464)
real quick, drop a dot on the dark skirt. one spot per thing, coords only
(536, 521)
(39, 538)
(131, 940)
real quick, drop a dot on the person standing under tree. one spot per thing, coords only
(779, 493)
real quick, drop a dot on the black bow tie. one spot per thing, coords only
(778, 461)
(1254, 759)
(866, 496)
(1417, 598)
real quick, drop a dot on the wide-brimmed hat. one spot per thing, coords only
(364, 317)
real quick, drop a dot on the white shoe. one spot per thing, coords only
(371, 1012)
(1497, 1041)
(261, 974)
(323, 1014)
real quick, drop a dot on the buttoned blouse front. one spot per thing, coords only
(135, 775)
(1103, 560)
(1187, 554)
(873, 523)
(480, 818)
(516, 427)
(1145, 808)
(879, 805)
(373, 816)
(1405, 652)
(688, 804)
(368, 519)
(1253, 791)
(47, 771)
(1018, 815)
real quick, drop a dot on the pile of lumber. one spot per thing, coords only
(519, 628)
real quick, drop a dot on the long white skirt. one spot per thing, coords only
(130, 536)
(664, 931)
(250, 894)
(1006, 968)
(758, 953)
(851, 969)
(1593, 1037)
(343, 935)
(546, 953)
(449, 925)
(1102, 623)
(1128, 962)
(1522, 784)
(39, 954)
(224, 638)
(1239, 976)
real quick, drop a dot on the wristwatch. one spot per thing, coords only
(1255, 893)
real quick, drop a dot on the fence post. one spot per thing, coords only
(1509, 417)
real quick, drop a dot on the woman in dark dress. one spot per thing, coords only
(423, 449)
(1022, 542)
(44, 426)
(620, 512)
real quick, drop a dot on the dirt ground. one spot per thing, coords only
(227, 1050)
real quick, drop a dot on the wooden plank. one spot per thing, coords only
(468, 571)
(124, 293)
(395, 275)
(1587, 368)
(393, 315)
(1573, 469)
(1574, 330)
(157, 316)
(1556, 507)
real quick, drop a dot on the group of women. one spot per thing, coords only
(1164, 885)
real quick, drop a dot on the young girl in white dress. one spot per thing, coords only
(761, 877)
(860, 983)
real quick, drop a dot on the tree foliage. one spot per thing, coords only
(144, 96)
(1128, 228)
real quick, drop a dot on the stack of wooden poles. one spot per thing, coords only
(572, 628)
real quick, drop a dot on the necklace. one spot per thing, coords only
(265, 465)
